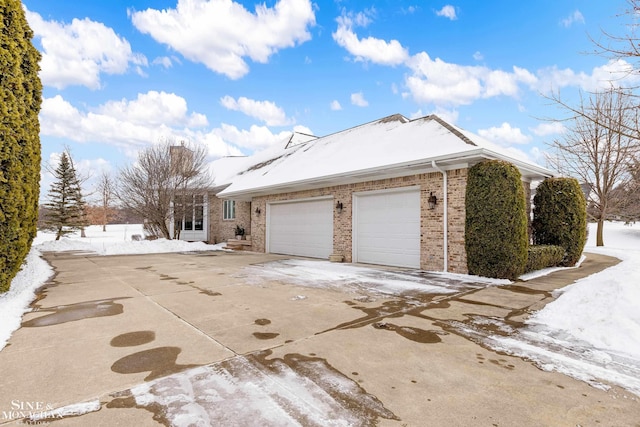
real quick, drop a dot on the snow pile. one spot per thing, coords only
(15, 302)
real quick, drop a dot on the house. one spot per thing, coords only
(389, 192)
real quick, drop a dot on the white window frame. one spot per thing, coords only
(228, 210)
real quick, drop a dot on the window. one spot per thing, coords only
(188, 212)
(229, 209)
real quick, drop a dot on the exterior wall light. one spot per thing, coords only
(432, 201)
(339, 207)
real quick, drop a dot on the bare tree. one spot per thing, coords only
(597, 151)
(106, 190)
(625, 46)
(615, 47)
(164, 173)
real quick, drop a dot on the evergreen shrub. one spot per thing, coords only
(496, 238)
(544, 256)
(20, 99)
(560, 217)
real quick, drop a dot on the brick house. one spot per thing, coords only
(389, 192)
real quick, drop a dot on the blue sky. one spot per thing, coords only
(238, 75)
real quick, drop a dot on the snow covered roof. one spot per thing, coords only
(391, 146)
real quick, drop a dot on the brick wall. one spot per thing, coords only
(431, 221)
(221, 230)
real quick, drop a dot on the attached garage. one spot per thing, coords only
(386, 228)
(303, 228)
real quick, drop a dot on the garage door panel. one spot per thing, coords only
(302, 228)
(387, 228)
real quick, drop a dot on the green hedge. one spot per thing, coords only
(560, 217)
(20, 99)
(544, 256)
(496, 238)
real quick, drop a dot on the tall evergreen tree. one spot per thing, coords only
(66, 209)
(20, 99)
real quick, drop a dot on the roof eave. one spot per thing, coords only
(530, 171)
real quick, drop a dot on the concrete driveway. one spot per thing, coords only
(216, 339)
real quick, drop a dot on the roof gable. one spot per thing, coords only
(393, 145)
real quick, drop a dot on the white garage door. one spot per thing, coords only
(301, 228)
(387, 228)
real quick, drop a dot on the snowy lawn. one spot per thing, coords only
(35, 272)
(592, 330)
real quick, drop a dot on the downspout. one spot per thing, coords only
(445, 243)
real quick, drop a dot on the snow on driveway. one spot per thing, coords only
(358, 279)
(253, 390)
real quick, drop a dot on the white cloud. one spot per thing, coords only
(448, 11)
(575, 17)
(77, 53)
(335, 105)
(265, 111)
(449, 116)
(222, 33)
(551, 128)
(125, 124)
(478, 56)
(505, 135)
(130, 127)
(448, 84)
(257, 137)
(443, 83)
(370, 49)
(165, 61)
(303, 129)
(358, 100)
(154, 108)
(614, 73)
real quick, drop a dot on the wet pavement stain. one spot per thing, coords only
(414, 334)
(159, 361)
(208, 292)
(502, 363)
(262, 322)
(132, 339)
(526, 290)
(265, 335)
(80, 311)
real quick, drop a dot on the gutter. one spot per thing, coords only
(445, 243)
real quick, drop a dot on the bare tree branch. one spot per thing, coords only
(598, 150)
(164, 173)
